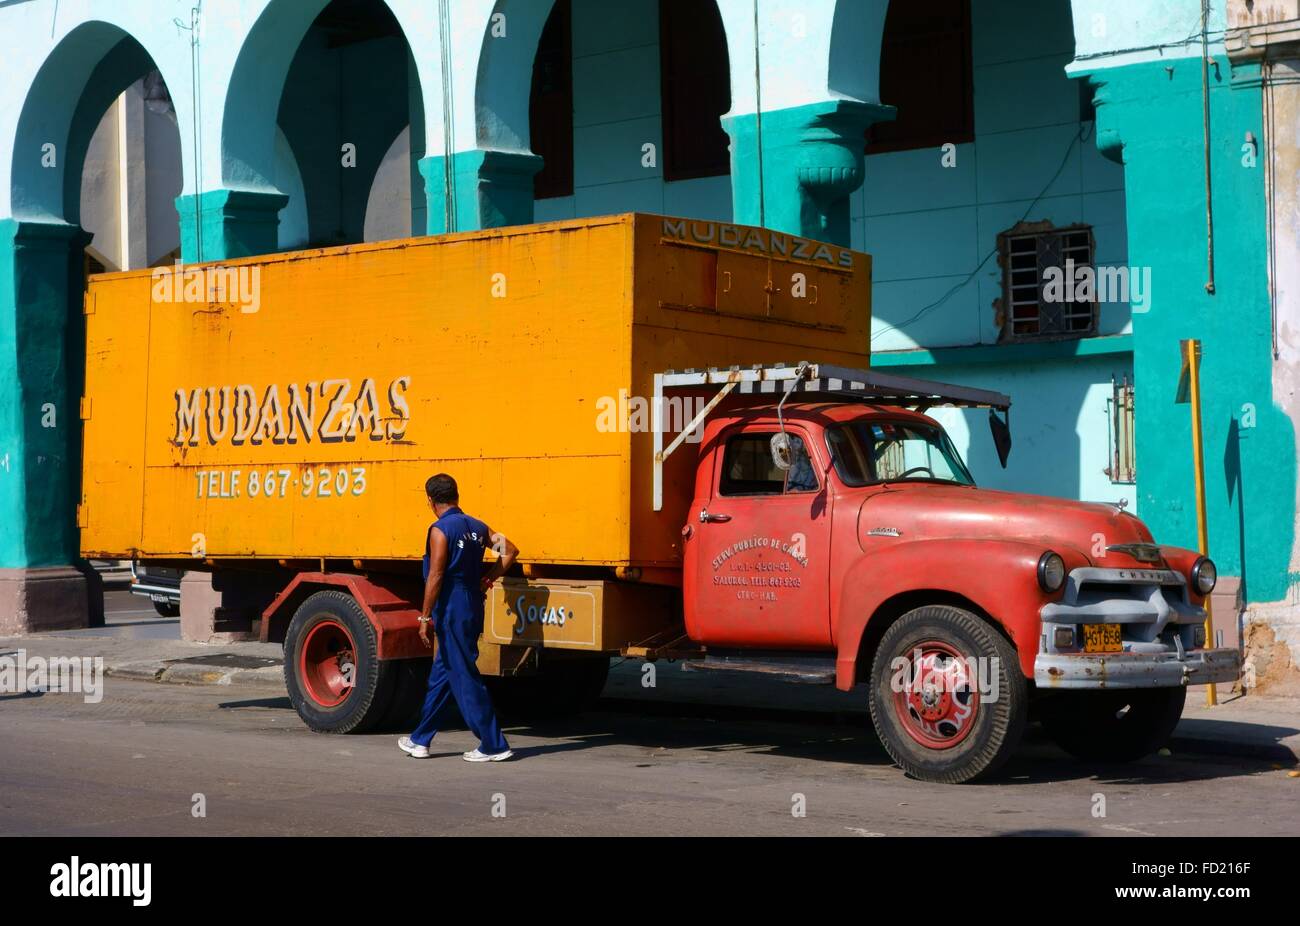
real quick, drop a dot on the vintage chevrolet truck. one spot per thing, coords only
(619, 409)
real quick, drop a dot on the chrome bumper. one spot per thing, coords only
(150, 591)
(1067, 671)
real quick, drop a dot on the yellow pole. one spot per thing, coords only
(1192, 357)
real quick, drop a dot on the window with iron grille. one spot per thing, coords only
(1040, 271)
(1123, 456)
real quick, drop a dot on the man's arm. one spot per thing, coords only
(506, 552)
(437, 567)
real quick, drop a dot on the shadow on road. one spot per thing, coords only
(847, 738)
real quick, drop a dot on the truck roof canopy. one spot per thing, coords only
(822, 381)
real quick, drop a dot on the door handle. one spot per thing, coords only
(706, 518)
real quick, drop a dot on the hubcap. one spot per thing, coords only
(327, 664)
(939, 700)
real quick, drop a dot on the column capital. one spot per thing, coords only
(230, 224)
(794, 169)
(492, 188)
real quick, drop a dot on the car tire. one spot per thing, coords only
(937, 725)
(1114, 725)
(167, 608)
(336, 681)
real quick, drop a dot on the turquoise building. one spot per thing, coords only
(1055, 194)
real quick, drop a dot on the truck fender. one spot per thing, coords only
(390, 603)
(996, 577)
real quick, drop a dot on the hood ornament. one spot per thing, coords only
(1142, 552)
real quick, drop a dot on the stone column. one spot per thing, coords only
(231, 223)
(808, 164)
(43, 582)
(224, 607)
(492, 188)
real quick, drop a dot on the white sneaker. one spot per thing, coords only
(414, 750)
(479, 756)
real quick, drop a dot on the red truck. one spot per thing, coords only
(806, 522)
(862, 544)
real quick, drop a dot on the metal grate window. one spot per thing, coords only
(1123, 456)
(1033, 308)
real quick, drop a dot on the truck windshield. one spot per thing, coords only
(867, 452)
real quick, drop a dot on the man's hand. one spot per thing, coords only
(424, 632)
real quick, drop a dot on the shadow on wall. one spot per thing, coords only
(1060, 427)
(1233, 482)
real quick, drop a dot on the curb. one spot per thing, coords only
(191, 674)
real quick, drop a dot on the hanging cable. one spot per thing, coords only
(1205, 113)
(448, 130)
(758, 121)
(196, 117)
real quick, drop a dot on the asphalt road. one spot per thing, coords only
(136, 762)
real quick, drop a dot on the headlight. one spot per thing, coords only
(1204, 575)
(1051, 572)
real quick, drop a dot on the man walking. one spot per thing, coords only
(454, 586)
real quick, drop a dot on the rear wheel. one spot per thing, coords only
(332, 670)
(1115, 725)
(410, 683)
(947, 696)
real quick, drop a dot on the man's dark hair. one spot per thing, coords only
(442, 489)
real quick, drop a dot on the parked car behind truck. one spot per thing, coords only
(619, 405)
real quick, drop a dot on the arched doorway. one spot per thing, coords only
(42, 272)
(319, 93)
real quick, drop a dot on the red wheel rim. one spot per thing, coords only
(327, 663)
(938, 700)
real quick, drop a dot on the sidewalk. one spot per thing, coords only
(1255, 726)
(152, 651)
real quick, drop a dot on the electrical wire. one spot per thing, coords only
(1081, 136)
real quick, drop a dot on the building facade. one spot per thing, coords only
(1055, 194)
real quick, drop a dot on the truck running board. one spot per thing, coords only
(804, 670)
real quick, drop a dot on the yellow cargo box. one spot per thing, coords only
(291, 406)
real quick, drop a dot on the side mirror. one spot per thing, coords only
(781, 456)
(1001, 429)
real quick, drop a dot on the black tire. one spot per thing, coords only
(561, 688)
(167, 608)
(410, 682)
(978, 743)
(320, 625)
(1115, 725)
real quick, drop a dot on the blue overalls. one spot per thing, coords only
(457, 622)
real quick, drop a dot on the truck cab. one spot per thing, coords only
(866, 543)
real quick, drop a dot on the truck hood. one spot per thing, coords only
(936, 511)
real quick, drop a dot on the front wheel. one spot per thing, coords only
(335, 679)
(947, 696)
(1114, 725)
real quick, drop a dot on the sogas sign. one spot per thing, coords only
(756, 241)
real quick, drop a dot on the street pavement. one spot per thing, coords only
(223, 753)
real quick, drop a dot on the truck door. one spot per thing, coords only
(759, 569)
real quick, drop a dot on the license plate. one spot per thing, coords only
(158, 599)
(1102, 638)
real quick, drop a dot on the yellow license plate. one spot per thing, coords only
(1102, 638)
